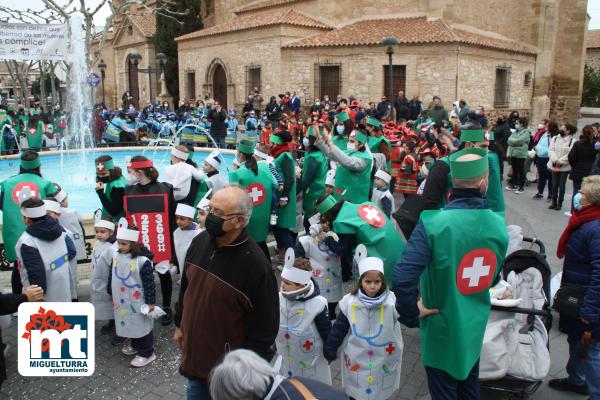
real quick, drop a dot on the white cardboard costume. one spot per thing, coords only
(326, 265)
(70, 220)
(182, 240)
(298, 340)
(102, 257)
(180, 175)
(55, 257)
(379, 194)
(372, 351)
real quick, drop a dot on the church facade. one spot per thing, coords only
(509, 55)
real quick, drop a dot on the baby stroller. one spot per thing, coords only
(525, 326)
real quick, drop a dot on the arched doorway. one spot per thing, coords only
(220, 85)
(134, 86)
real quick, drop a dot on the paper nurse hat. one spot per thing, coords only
(326, 205)
(183, 210)
(292, 273)
(473, 135)
(373, 121)
(204, 202)
(102, 223)
(246, 146)
(470, 168)
(35, 212)
(275, 139)
(32, 163)
(384, 176)
(182, 155)
(214, 160)
(342, 117)
(330, 178)
(124, 233)
(60, 196)
(366, 263)
(53, 205)
(359, 136)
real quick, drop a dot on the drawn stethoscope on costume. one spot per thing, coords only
(369, 339)
(124, 279)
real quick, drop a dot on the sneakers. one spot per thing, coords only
(139, 362)
(128, 350)
(565, 386)
(568, 214)
(273, 220)
(538, 196)
(510, 188)
(519, 191)
(167, 319)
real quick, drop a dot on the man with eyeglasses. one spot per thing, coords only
(229, 295)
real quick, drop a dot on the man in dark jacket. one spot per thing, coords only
(218, 127)
(416, 108)
(384, 109)
(229, 296)
(401, 106)
(295, 104)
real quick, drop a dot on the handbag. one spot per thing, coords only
(304, 392)
(568, 299)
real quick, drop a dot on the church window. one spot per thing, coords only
(252, 78)
(502, 87)
(190, 85)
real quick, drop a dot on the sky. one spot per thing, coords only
(593, 9)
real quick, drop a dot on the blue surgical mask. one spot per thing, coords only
(351, 147)
(340, 129)
(577, 201)
(305, 142)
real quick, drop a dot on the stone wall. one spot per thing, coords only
(592, 58)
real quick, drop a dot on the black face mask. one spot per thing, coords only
(214, 225)
(103, 179)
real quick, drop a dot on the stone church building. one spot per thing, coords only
(513, 54)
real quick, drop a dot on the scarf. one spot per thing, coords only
(301, 293)
(578, 218)
(277, 149)
(372, 301)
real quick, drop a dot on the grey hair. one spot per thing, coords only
(244, 207)
(242, 375)
(591, 189)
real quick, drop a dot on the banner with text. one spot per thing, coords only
(23, 42)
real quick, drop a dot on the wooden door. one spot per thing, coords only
(220, 86)
(134, 86)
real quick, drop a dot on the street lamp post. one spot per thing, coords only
(160, 57)
(102, 68)
(389, 44)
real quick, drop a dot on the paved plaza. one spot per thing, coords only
(115, 379)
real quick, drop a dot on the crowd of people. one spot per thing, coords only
(405, 202)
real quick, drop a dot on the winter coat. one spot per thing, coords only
(518, 143)
(581, 159)
(218, 126)
(560, 146)
(283, 389)
(438, 114)
(581, 268)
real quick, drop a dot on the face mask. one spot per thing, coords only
(351, 147)
(214, 225)
(541, 126)
(131, 179)
(317, 103)
(517, 126)
(103, 179)
(340, 129)
(577, 202)
(597, 146)
(305, 142)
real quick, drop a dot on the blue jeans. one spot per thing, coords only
(197, 390)
(587, 372)
(220, 141)
(442, 386)
(284, 237)
(544, 175)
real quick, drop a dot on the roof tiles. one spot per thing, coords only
(146, 23)
(592, 39)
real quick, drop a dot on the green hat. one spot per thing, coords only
(361, 137)
(373, 121)
(276, 139)
(469, 169)
(326, 204)
(311, 131)
(342, 117)
(246, 146)
(472, 135)
(35, 163)
(12, 108)
(105, 165)
(35, 112)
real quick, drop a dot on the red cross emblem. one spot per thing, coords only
(307, 345)
(32, 131)
(372, 215)
(476, 271)
(487, 135)
(100, 167)
(390, 349)
(24, 191)
(137, 295)
(257, 193)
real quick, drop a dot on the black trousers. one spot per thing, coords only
(144, 345)
(444, 387)
(15, 280)
(263, 246)
(559, 182)
(518, 171)
(166, 288)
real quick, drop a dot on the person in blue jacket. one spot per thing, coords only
(580, 246)
(244, 375)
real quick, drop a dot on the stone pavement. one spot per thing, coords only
(115, 379)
